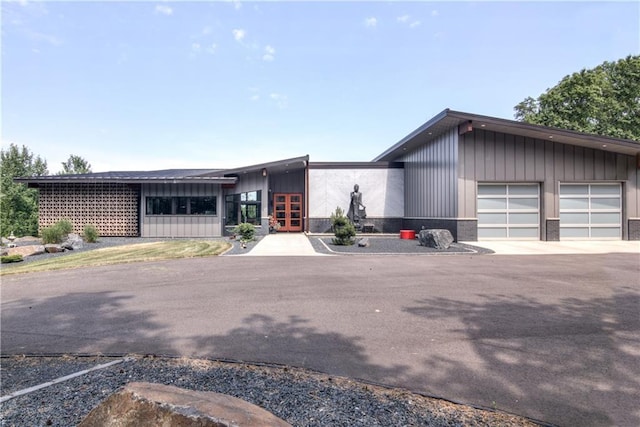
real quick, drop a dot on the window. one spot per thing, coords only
(181, 205)
(244, 207)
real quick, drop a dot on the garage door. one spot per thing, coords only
(508, 211)
(590, 211)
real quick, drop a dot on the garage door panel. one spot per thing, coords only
(590, 211)
(508, 211)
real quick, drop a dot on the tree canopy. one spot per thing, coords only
(75, 165)
(604, 100)
(19, 204)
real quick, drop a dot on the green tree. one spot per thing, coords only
(75, 165)
(604, 100)
(19, 204)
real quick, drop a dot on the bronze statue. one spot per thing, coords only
(357, 210)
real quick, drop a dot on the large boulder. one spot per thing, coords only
(53, 248)
(146, 404)
(27, 250)
(73, 242)
(435, 238)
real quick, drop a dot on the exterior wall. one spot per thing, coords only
(382, 194)
(181, 225)
(111, 208)
(431, 179)
(496, 157)
(252, 181)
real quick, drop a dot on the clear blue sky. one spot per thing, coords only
(153, 84)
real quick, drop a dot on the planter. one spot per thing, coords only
(408, 234)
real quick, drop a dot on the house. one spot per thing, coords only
(480, 177)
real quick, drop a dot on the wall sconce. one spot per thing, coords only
(264, 171)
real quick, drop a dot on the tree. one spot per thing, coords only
(75, 165)
(19, 204)
(604, 100)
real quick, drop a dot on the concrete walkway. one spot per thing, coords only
(537, 247)
(283, 244)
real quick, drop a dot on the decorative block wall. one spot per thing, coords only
(112, 208)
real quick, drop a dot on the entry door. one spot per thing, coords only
(287, 208)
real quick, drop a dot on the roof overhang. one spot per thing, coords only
(294, 163)
(68, 179)
(449, 119)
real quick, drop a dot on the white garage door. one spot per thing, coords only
(590, 211)
(508, 211)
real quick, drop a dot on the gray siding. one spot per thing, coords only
(496, 157)
(252, 181)
(431, 183)
(181, 225)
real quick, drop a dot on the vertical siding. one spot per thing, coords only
(431, 184)
(181, 225)
(494, 157)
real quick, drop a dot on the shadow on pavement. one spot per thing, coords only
(593, 362)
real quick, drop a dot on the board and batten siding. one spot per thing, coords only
(251, 181)
(181, 225)
(431, 178)
(486, 156)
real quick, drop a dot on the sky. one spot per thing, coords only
(149, 85)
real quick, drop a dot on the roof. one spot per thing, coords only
(196, 176)
(448, 119)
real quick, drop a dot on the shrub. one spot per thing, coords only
(90, 233)
(10, 258)
(52, 234)
(246, 231)
(342, 228)
(65, 226)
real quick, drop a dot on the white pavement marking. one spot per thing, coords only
(59, 380)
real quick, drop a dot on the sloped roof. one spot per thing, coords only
(133, 177)
(449, 119)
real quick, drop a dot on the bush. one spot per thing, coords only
(10, 258)
(342, 228)
(246, 231)
(52, 234)
(90, 233)
(65, 226)
(57, 232)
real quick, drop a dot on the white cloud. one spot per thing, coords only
(206, 31)
(281, 100)
(236, 4)
(434, 13)
(195, 47)
(406, 19)
(212, 48)
(269, 53)
(255, 97)
(371, 22)
(239, 34)
(164, 9)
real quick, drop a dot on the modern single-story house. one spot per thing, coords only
(480, 177)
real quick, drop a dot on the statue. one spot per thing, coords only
(357, 210)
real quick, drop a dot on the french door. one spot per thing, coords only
(287, 209)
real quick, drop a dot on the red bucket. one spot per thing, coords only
(408, 234)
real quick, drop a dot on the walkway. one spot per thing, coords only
(283, 244)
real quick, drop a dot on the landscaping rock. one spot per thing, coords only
(148, 404)
(364, 242)
(73, 242)
(435, 238)
(26, 251)
(53, 249)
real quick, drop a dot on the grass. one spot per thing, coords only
(140, 252)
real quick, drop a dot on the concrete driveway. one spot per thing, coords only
(553, 337)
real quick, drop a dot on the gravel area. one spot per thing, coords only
(389, 245)
(300, 397)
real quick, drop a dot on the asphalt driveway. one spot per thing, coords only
(554, 337)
